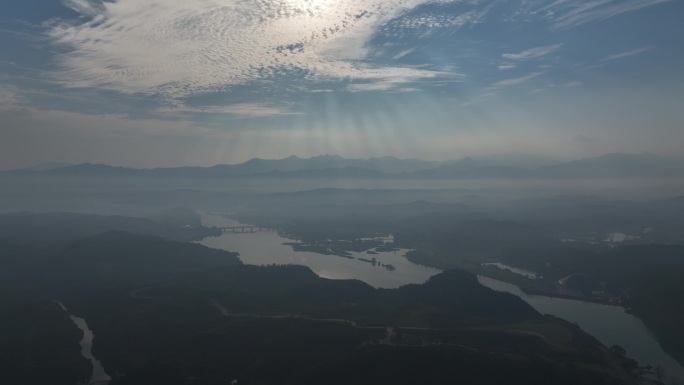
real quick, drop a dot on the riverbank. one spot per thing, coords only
(390, 270)
(649, 276)
(608, 323)
(268, 248)
(98, 371)
(528, 285)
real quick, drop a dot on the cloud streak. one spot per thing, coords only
(175, 49)
(626, 54)
(239, 110)
(9, 98)
(572, 13)
(532, 53)
(514, 81)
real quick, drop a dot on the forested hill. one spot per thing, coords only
(166, 312)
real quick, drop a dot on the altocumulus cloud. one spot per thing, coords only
(175, 49)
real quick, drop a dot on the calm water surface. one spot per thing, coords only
(86, 343)
(266, 247)
(609, 324)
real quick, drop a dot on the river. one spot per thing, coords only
(609, 324)
(266, 248)
(86, 342)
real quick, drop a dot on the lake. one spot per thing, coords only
(266, 248)
(609, 324)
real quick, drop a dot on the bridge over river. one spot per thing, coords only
(244, 229)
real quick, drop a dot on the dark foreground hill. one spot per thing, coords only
(175, 313)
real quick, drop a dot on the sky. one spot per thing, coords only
(200, 82)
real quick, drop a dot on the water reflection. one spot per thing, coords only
(609, 324)
(86, 343)
(266, 247)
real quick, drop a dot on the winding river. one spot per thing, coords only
(86, 342)
(266, 248)
(609, 324)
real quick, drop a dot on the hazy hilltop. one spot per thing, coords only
(28, 227)
(617, 165)
(607, 166)
(48, 166)
(255, 166)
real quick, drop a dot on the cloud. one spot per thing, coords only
(430, 21)
(239, 110)
(403, 53)
(506, 67)
(532, 53)
(403, 82)
(85, 7)
(572, 13)
(433, 21)
(9, 98)
(514, 81)
(174, 49)
(626, 54)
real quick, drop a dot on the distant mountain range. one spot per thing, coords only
(616, 165)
